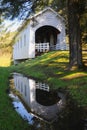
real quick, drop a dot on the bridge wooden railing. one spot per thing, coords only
(42, 47)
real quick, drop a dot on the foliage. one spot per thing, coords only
(23, 8)
(83, 23)
(5, 59)
(17, 8)
(6, 40)
(58, 5)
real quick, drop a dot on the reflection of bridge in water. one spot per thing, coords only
(43, 102)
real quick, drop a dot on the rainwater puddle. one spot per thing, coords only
(38, 105)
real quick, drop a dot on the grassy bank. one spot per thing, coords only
(52, 68)
(9, 119)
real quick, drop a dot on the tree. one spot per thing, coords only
(15, 8)
(74, 33)
(75, 10)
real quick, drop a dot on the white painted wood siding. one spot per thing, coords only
(24, 46)
(21, 47)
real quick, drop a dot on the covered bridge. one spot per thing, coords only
(43, 32)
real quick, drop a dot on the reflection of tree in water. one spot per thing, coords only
(41, 125)
(70, 118)
(46, 98)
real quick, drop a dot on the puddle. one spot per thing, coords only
(41, 101)
(39, 106)
(21, 110)
(19, 107)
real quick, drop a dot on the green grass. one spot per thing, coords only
(52, 68)
(9, 119)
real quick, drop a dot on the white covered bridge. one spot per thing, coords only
(43, 32)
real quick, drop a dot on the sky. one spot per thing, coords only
(17, 21)
(13, 25)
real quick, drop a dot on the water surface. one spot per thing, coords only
(39, 106)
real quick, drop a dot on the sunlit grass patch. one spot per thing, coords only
(5, 60)
(74, 75)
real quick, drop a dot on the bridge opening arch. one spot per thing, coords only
(47, 34)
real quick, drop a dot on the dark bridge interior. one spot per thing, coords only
(46, 34)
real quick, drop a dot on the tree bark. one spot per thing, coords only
(74, 33)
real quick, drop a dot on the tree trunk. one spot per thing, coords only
(74, 33)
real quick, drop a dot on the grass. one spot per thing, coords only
(50, 68)
(5, 60)
(9, 119)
